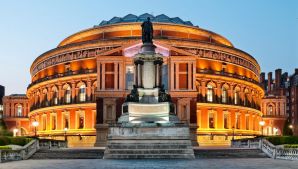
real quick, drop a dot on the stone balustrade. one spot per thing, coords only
(21, 154)
(275, 152)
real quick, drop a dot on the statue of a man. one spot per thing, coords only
(147, 31)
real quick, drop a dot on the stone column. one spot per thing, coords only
(177, 76)
(157, 69)
(139, 75)
(116, 87)
(103, 77)
(135, 75)
(88, 90)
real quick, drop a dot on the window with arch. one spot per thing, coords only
(245, 101)
(45, 99)
(67, 95)
(270, 110)
(82, 93)
(55, 96)
(224, 95)
(209, 93)
(236, 97)
(19, 110)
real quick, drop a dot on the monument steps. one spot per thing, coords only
(68, 154)
(149, 156)
(163, 148)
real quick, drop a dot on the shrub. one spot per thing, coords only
(18, 141)
(279, 140)
(21, 141)
(4, 140)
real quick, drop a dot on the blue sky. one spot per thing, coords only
(265, 29)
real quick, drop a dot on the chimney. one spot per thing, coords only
(277, 78)
(296, 71)
(262, 77)
(269, 81)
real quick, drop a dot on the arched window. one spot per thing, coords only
(270, 110)
(236, 97)
(209, 93)
(67, 95)
(245, 99)
(224, 95)
(55, 96)
(19, 110)
(82, 93)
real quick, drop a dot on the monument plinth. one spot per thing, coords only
(148, 126)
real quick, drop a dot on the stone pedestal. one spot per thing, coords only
(151, 141)
(101, 135)
(193, 134)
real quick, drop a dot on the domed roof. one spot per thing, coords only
(133, 18)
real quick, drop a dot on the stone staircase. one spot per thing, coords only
(68, 154)
(155, 149)
(229, 153)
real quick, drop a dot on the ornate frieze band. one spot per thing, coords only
(70, 56)
(210, 54)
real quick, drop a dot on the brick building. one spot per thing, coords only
(283, 86)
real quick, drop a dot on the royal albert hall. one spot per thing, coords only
(84, 81)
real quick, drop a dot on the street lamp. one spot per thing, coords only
(15, 132)
(35, 124)
(262, 123)
(291, 126)
(65, 130)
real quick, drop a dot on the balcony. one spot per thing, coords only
(221, 73)
(62, 102)
(65, 74)
(230, 101)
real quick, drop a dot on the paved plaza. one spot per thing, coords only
(247, 163)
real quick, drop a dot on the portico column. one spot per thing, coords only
(157, 75)
(139, 75)
(135, 75)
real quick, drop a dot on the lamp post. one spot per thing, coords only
(262, 123)
(15, 131)
(35, 124)
(65, 130)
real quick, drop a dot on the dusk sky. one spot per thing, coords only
(265, 29)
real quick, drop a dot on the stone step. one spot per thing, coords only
(149, 156)
(148, 146)
(69, 154)
(149, 151)
(229, 153)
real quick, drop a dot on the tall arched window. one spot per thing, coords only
(67, 95)
(55, 96)
(224, 95)
(82, 93)
(209, 93)
(270, 110)
(236, 97)
(19, 110)
(245, 99)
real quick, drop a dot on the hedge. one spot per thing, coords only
(5, 148)
(291, 146)
(279, 140)
(21, 141)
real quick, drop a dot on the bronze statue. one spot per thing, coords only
(147, 31)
